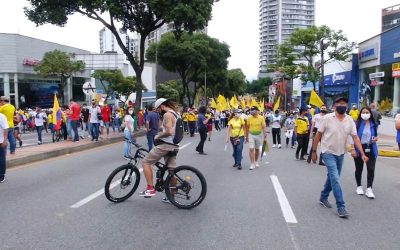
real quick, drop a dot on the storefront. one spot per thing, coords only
(19, 81)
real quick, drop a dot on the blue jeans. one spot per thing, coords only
(150, 138)
(11, 139)
(334, 165)
(39, 130)
(74, 126)
(237, 150)
(3, 153)
(115, 124)
(94, 130)
(127, 144)
(69, 129)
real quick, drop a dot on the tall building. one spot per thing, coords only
(390, 17)
(108, 42)
(278, 19)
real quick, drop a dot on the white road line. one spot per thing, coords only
(101, 191)
(283, 201)
(97, 194)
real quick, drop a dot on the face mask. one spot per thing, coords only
(130, 112)
(365, 116)
(341, 109)
(323, 111)
(252, 112)
(237, 115)
(276, 113)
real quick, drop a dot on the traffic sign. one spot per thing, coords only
(88, 88)
(376, 75)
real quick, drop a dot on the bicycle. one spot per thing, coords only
(57, 135)
(179, 184)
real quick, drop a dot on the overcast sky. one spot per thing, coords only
(234, 22)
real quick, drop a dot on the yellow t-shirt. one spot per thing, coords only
(301, 125)
(185, 117)
(192, 117)
(255, 124)
(8, 111)
(237, 127)
(354, 114)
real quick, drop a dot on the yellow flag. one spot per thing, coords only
(315, 100)
(261, 105)
(213, 104)
(234, 102)
(248, 101)
(220, 99)
(243, 103)
(254, 102)
(220, 108)
(277, 103)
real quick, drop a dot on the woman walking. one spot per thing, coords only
(128, 131)
(235, 134)
(276, 121)
(202, 122)
(367, 132)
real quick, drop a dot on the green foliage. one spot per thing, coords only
(171, 90)
(141, 16)
(259, 88)
(190, 56)
(235, 83)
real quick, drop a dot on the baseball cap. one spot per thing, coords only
(342, 99)
(159, 102)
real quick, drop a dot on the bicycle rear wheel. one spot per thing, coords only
(122, 183)
(186, 187)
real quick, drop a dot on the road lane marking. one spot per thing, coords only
(283, 201)
(97, 194)
(112, 185)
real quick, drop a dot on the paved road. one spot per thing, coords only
(241, 210)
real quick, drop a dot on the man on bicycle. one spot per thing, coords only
(164, 145)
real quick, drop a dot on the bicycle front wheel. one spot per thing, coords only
(186, 187)
(122, 183)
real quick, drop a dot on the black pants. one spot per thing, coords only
(192, 128)
(203, 136)
(216, 123)
(302, 145)
(276, 135)
(370, 168)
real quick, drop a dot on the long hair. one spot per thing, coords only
(371, 119)
(172, 105)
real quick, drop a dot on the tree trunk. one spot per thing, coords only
(139, 83)
(195, 92)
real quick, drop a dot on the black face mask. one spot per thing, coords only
(341, 109)
(323, 111)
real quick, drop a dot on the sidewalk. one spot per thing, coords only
(387, 146)
(45, 151)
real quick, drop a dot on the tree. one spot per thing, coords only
(125, 87)
(259, 87)
(59, 63)
(141, 16)
(173, 89)
(322, 42)
(108, 79)
(190, 55)
(236, 83)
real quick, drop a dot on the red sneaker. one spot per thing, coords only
(149, 192)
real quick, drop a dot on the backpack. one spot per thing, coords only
(178, 129)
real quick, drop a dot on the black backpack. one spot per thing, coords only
(178, 129)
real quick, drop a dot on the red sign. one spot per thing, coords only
(30, 62)
(396, 73)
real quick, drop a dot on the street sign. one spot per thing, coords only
(376, 75)
(88, 89)
(396, 73)
(396, 66)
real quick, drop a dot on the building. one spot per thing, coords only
(390, 17)
(22, 84)
(379, 64)
(108, 42)
(277, 20)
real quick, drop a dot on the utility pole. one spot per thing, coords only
(322, 78)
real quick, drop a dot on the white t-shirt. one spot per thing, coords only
(318, 119)
(3, 126)
(397, 117)
(93, 111)
(129, 120)
(276, 121)
(39, 118)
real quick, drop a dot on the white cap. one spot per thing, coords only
(159, 102)
(309, 106)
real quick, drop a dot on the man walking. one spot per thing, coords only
(152, 121)
(75, 111)
(256, 133)
(300, 130)
(333, 134)
(8, 110)
(3, 146)
(94, 112)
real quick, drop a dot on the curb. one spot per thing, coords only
(389, 153)
(63, 151)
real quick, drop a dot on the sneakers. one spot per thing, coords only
(257, 164)
(359, 190)
(149, 192)
(279, 146)
(369, 193)
(342, 212)
(239, 167)
(20, 143)
(321, 163)
(297, 156)
(274, 146)
(2, 179)
(165, 200)
(325, 203)
(252, 166)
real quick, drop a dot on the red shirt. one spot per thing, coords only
(75, 111)
(106, 112)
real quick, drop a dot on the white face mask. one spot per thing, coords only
(130, 112)
(365, 116)
(237, 115)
